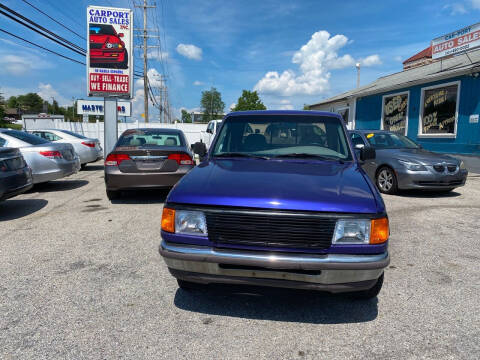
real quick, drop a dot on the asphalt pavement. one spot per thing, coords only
(82, 278)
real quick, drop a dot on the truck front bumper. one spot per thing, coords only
(331, 272)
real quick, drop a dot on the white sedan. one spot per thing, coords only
(88, 149)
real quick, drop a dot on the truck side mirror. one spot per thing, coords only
(200, 149)
(367, 153)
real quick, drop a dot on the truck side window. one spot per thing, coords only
(2, 142)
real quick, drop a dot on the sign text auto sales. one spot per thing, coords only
(456, 42)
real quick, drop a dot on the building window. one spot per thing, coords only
(439, 110)
(395, 113)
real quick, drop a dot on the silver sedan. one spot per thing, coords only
(401, 163)
(48, 161)
(88, 149)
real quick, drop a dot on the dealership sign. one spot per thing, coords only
(456, 42)
(109, 57)
(96, 107)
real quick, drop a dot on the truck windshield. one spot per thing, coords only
(299, 136)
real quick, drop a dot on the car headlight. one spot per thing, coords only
(462, 166)
(412, 166)
(184, 222)
(361, 231)
(111, 45)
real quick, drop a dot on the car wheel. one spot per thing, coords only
(187, 285)
(370, 293)
(112, 194)
(386, 180)
(83, 166)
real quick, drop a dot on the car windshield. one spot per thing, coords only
(150, 138)
(100, 29)
(26, 137)
(74, 134)
(267, 136)
(390, 141)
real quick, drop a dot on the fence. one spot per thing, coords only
(193, 132)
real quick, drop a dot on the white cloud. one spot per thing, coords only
(21, 63)
(315, 59)
(190, 51)
(371, 60)
(198, 83)
(232, 106)
(398, 58)
(157, 55)
(458, 8)
(47, 92)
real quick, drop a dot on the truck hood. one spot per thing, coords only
(283, 184)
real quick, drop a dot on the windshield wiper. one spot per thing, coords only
(239, 154)
(307, 155)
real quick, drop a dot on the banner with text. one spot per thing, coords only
(95, 107)
(109, 57)
(456, 42)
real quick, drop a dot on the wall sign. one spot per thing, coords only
(96, 107)
(109, 52)
(456, 42)
(473, 119)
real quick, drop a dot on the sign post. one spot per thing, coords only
(110, 63)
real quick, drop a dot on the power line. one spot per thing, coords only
(41, 47)
(39, 27)
(39, 32)
(59, 23)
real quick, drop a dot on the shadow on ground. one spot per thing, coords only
(58, 185)
(93, 168)
(276, 304)
(15, 209)
(142, 197)
(428, 194)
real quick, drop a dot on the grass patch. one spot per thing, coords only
(11, 126)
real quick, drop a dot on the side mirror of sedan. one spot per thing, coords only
(367, 153)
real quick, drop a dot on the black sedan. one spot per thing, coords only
(401, 163)
(145, 159)
(15, 175)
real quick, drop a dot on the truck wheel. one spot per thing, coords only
(370, 293)
(386, 181)
(187, 285)
(112, 195)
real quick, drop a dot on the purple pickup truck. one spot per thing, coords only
(279, 200)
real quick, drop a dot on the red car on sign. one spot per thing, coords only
(106, 47)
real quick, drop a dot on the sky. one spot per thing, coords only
(291, 52)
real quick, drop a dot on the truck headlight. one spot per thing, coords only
(361, 231)
(190, 222)
(412, 165)
(352, 232)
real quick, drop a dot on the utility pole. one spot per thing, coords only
(357, 65)
(145, 72)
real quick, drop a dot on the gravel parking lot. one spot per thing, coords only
(82, 278)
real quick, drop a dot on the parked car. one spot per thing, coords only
(88, 149)
(15, 175)
(147, 158)
(212, 128)
(107, 47)
(403, 164)
(290, 208)
(48, 161)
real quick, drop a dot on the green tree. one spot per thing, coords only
(249, 101)
(30, 103)
(186, 116)
(12, 102)
(211, 104)
(306, 107)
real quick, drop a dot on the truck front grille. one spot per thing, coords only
(270, 229)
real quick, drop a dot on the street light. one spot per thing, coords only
(357, 65)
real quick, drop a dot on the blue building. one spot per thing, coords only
(437, 104)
